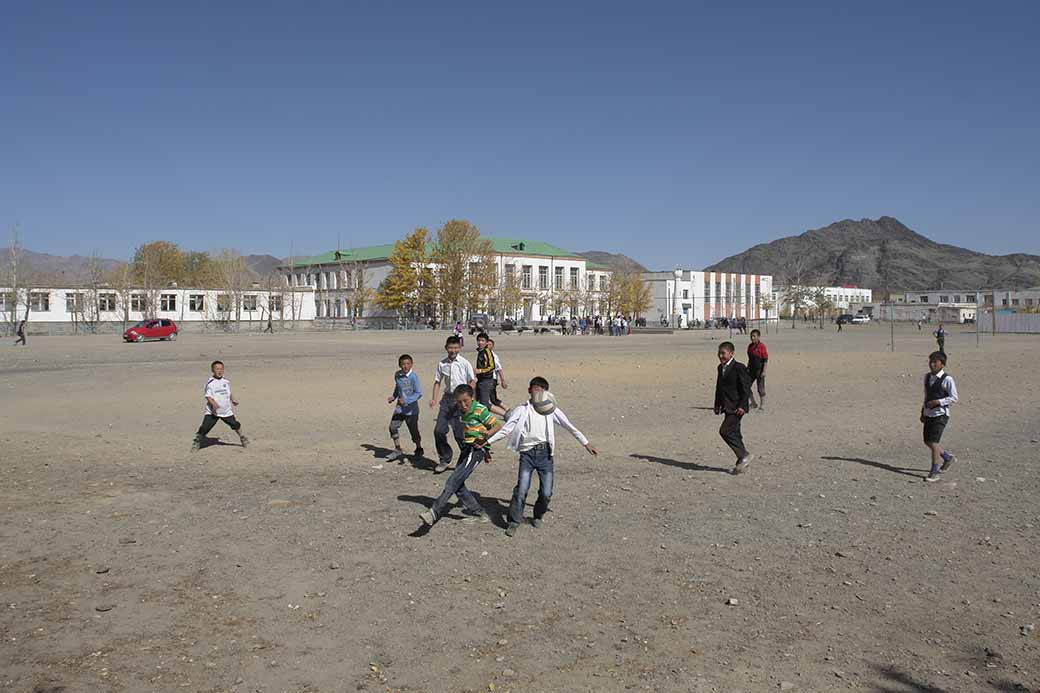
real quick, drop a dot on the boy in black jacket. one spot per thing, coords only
(732, 391)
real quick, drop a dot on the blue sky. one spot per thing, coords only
(677, 133)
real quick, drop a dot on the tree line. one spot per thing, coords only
(456, 271)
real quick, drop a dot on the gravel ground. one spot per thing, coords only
(128, 563)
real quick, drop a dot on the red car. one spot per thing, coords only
(151, 329)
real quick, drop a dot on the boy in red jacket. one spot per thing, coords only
(757, 359)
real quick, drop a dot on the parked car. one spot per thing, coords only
(860, 319)
(151, 330)
(845, 319)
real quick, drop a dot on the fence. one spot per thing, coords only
(1020, 323)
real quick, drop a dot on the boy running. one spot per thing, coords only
(452, 371)
(757, 360)
(533, 436)
(939, 393)
(479, 424)
(732, 391)
(219, 407)
(407, 393)
(500, 379)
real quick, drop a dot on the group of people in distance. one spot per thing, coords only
(467, 405)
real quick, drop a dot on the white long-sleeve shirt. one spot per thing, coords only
(950, 389)
(518, 426)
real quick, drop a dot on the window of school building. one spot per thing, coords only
(274, 303)
(602, 282)
(137, 302)
(525, 277)
(558, 278)
(543, 277)
(249, 303)
(574, 277)
(7, 302)
(223, 303)
(40, 301)
(196, 302)
(944, 299)
(73, 302)
(107, 303)
(168, 302)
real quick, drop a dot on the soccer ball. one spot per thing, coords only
(544, 402)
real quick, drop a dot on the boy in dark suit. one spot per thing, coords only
(732, 392)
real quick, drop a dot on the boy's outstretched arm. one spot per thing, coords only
(562, 419)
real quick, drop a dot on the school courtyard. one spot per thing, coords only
(128, 563)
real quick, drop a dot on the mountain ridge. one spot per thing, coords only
(881, 254)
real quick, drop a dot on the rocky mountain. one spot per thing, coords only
(881, 254)
(616, 261)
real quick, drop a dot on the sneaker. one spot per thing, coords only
(743, 463)
(948, 463)
(195, 445)
(244, 441)
(475, 516)
(537, 522)
(428, 517)
(395, 455)
(511, 529)
(933, 476)
(441, 467)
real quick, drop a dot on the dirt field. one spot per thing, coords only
(128, 563)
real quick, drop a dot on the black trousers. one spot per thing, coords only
(485, 391)
(730, 432)
(209, 421)
(411, 421)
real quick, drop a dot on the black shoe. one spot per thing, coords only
(418, 453)
(948, 463)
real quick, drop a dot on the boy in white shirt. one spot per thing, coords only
(452, 371)
(533, 436)
(219, 407)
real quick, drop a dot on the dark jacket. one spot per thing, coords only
(733, 389)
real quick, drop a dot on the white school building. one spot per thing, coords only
(553, 281)
(681, 297)
(842, 298)
(71, 310)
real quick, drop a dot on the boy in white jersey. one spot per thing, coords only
(532, 435)
(219, 407)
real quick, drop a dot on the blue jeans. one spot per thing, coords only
(537, 460)
(469, 460)
(449, 418)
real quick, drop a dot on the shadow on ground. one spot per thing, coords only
(907, 471)
(381, 453)
(688, 466)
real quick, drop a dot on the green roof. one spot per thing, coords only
(503, 246)
(598, 266)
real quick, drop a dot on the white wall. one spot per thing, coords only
(58, 308)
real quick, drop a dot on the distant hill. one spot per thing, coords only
(58, 269)
(261, 265)
(616, 261)
(55, 269)
(881, 254)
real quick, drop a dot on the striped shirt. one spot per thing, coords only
(477, 420)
